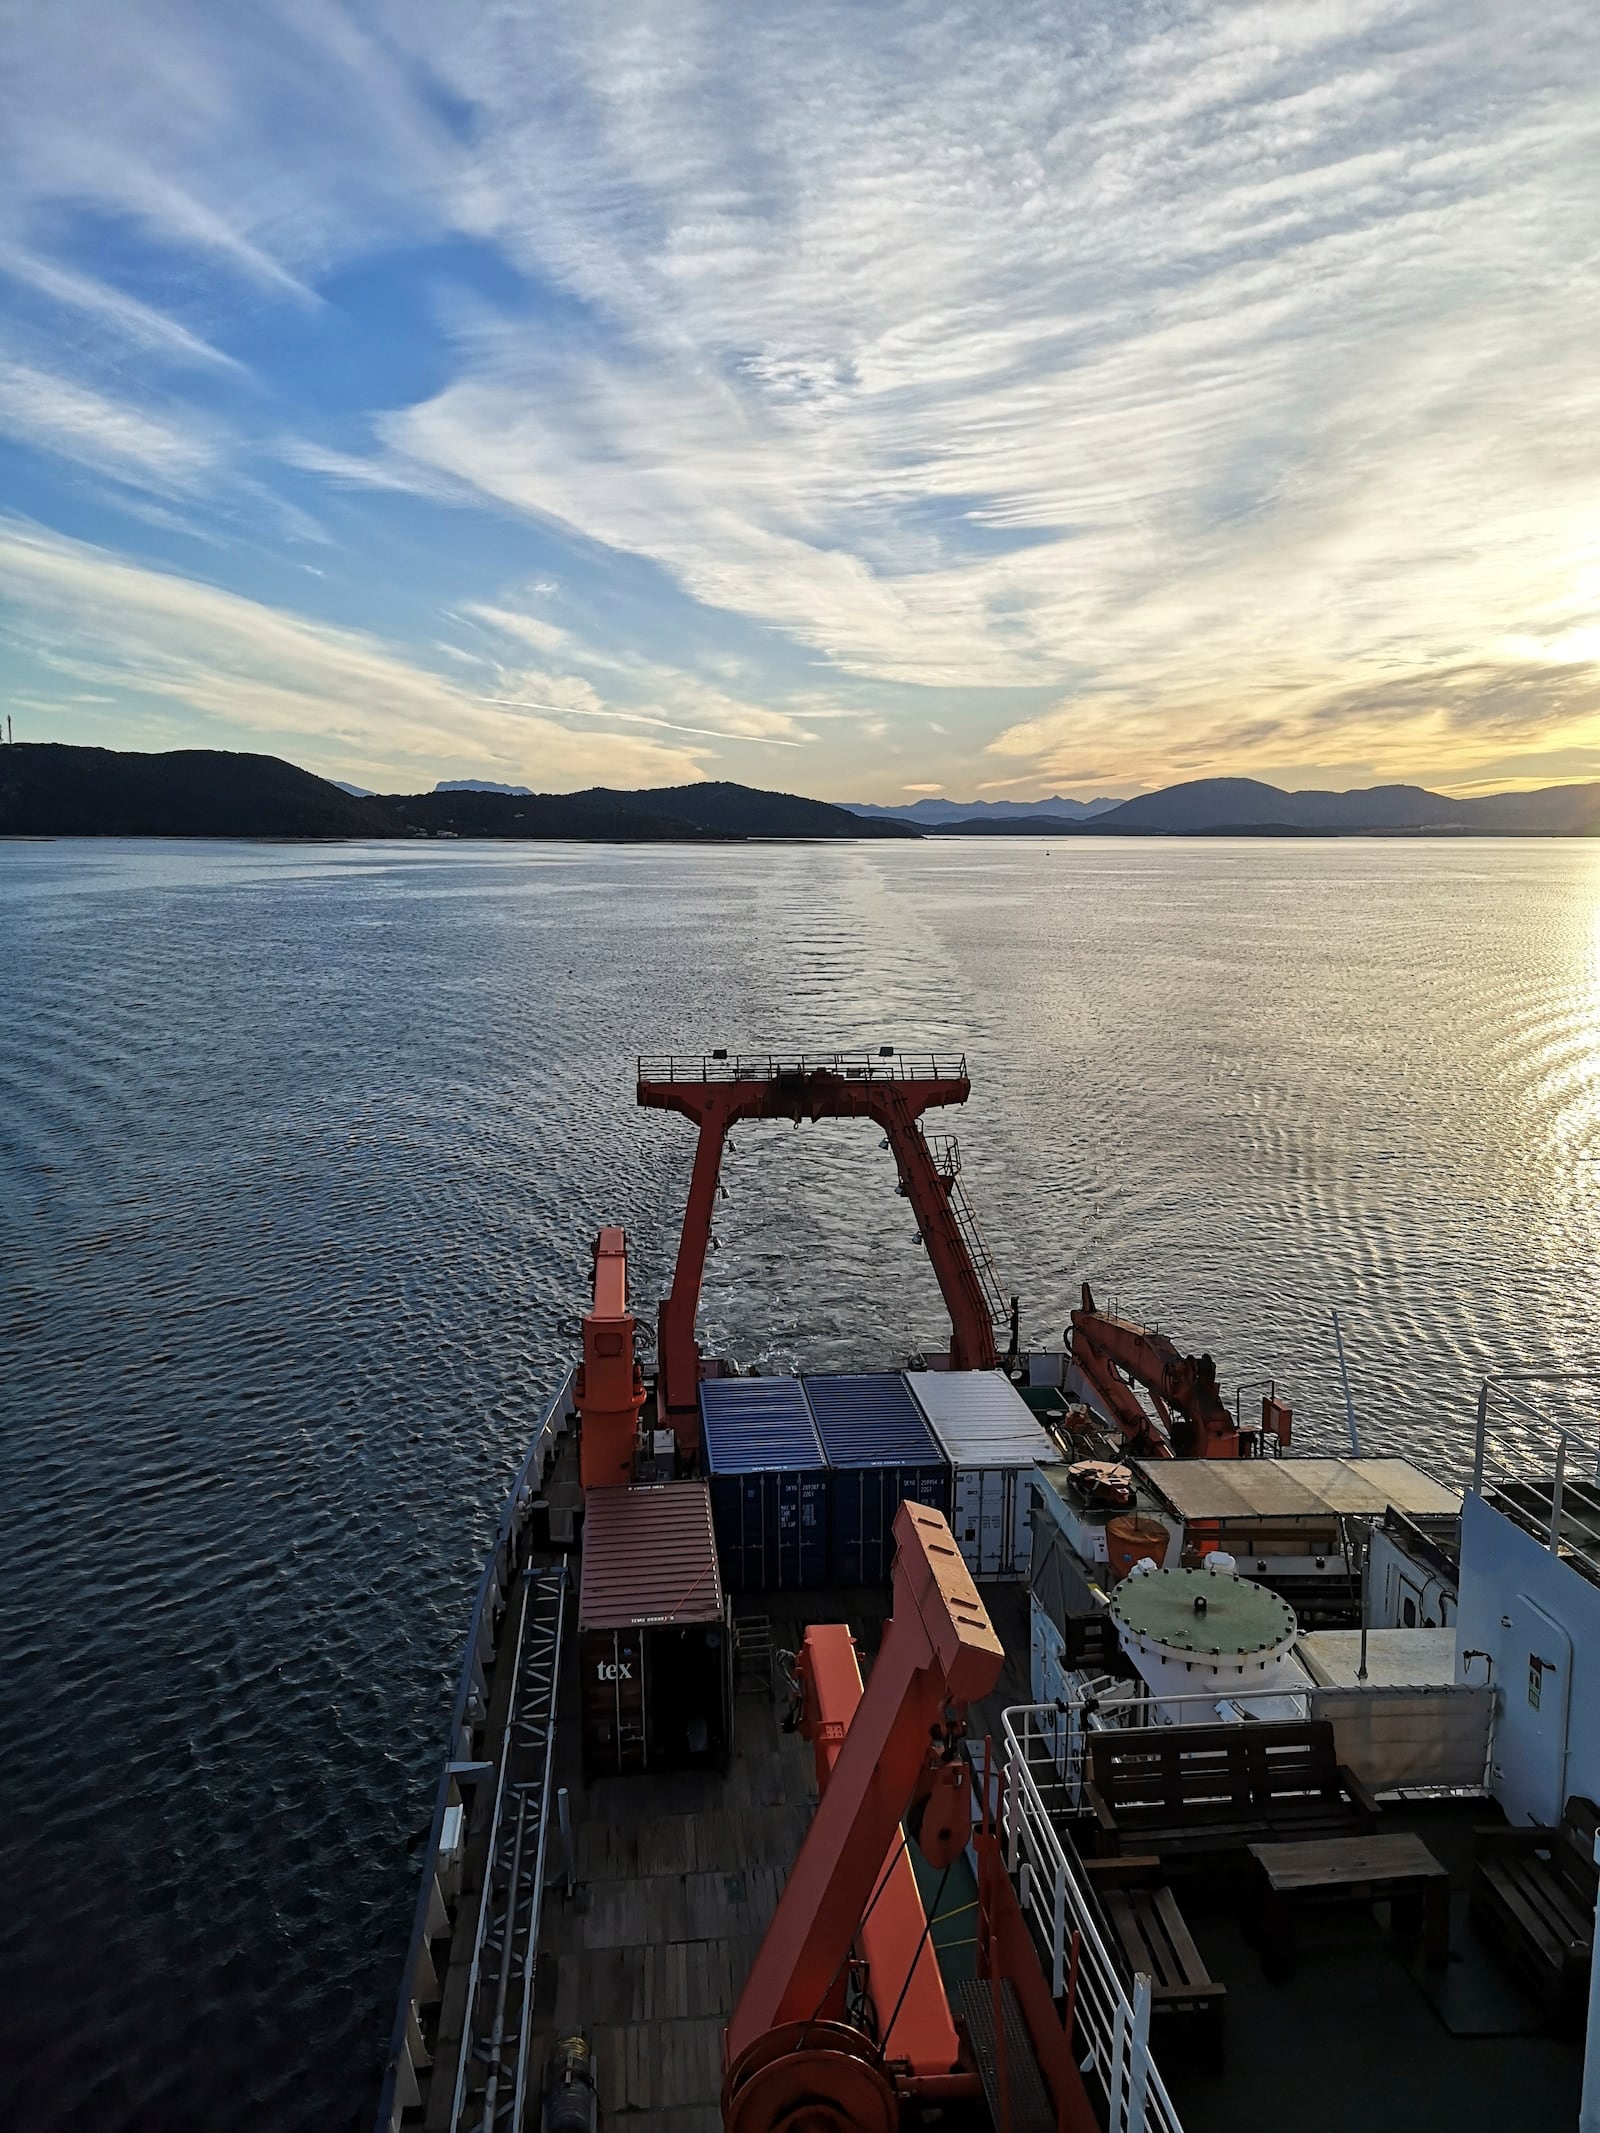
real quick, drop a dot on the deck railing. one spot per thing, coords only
(1546, 1479)
(1112, 2028)
(1415, 1739)
(886, 1065)
(442, 1858)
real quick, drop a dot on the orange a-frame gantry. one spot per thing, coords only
(893, 1090)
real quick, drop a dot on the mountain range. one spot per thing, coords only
(1211, 807)
(935, 814)
(49, 789)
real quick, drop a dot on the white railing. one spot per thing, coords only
(1546, 1478)
(1112, 2028)
(884, 1065)
(1414, 1739)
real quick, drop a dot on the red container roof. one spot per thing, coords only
(649, 1556)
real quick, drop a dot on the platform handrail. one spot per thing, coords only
(1111, 2032)
(1551, 1490)
(779, 1066)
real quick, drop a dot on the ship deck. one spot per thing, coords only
(678, 1875)
(1363, 2033)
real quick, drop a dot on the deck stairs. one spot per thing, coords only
(490, 2070)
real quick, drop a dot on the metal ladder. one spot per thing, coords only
(753, 1655)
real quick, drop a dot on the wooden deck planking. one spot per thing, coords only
(678, 1876)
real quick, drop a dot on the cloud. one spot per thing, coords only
(265, 144)
(1150, 388)
(1154, 366)
(111, 436)
(333, 696)
(659, 692)
(127, 316)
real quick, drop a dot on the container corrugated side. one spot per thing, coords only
(992, 1442)
(769, 1483)
(980, 1418)
(649, 1555)
(759, 1426)
(881, 1454)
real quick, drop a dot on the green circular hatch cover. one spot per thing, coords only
(1236, 1617)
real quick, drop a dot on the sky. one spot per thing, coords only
(859, 399)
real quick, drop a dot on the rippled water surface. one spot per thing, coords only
(300, 1154)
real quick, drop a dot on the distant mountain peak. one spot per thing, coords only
(928, 813)
(511, 792)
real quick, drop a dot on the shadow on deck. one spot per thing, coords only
(1363, 2033)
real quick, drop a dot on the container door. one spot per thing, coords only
(613, 1700)
(1016, 1539)
(967, 1514)
(879, 1503)
(933, 1488)
(847, 1510)
(909, 1485)
(758, 1532)
(994, 1551)
(686, 1703)
(813, 1494)
(785, 1490)
(1536, 1688)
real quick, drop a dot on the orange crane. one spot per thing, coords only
(718, 1092)
(911, 2012)
(1115, 1354)
(610, 1388)
(795, 2060)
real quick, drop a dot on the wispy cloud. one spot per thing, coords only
(1163, 361)
(1133, 390)
(659, 692)
(127, 317)
(342, 699)
(110, 436)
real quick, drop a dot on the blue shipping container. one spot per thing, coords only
(880, 1452)
(769, 1483)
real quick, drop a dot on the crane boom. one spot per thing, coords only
(939, 1650)
(796, 2053)
(1115, 1354)
(913, 2014)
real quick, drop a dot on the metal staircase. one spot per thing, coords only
(492, 2071)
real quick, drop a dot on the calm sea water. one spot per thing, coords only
(300, 1154)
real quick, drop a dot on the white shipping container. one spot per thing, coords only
(987, 1432)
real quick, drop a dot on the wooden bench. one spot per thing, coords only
(1533, 1894)
(1147, 1934)
(1198, 1791)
